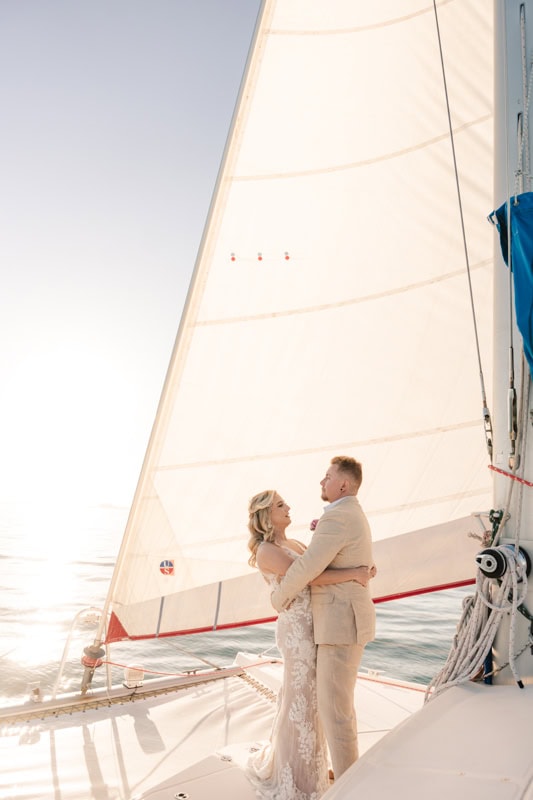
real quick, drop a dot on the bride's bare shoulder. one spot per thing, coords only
(298, 547)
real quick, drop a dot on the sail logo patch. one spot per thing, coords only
(166, 567)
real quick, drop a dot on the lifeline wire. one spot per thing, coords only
(486, 412)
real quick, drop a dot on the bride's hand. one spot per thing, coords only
(364, 574)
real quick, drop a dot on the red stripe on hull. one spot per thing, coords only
(117, 633)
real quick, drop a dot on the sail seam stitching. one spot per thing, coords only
(323, 448)
(430, 501)
(341, 303)
(359, 164)
(358, 29)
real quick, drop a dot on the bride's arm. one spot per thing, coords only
(271, 558)
(360, 574)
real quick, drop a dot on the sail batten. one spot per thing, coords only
(428, 9)
(324, 448)
(486, 118)
(201, 323)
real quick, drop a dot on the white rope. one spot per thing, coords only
(478, 624)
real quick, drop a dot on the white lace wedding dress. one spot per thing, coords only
(293, 765)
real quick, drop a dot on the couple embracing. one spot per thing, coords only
(321, 632)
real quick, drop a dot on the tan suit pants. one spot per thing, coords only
(337, 667)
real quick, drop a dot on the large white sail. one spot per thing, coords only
(329, 311)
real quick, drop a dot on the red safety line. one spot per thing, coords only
(260, 663)
(510, 475)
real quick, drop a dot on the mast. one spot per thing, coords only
(512, 403)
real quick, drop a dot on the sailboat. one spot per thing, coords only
(341, 303)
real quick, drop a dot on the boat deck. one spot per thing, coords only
(134, 747)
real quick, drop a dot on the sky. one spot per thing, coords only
(114, 118)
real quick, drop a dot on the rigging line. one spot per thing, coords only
(185, 674)
(522, 442)
(523, 155)
(518, 422)
(519, 464)
(512, 431)
(486, 412)
(503, 27)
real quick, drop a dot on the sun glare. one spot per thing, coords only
(70, 439)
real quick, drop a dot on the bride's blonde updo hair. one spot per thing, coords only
(259, 522)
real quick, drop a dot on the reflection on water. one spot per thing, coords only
(414, 635)
(51, 568)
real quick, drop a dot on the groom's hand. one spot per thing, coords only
(275, 599)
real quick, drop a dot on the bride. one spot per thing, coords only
(294, 763)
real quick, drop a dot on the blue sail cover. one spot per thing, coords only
(521, 223)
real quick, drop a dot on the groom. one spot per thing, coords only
(343, 613)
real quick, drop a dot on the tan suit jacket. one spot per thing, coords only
(343, 613)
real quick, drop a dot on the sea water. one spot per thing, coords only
(52, 569)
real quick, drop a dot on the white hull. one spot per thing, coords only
(473, 741)
(177, 740)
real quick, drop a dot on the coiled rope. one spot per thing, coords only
(478, 624)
